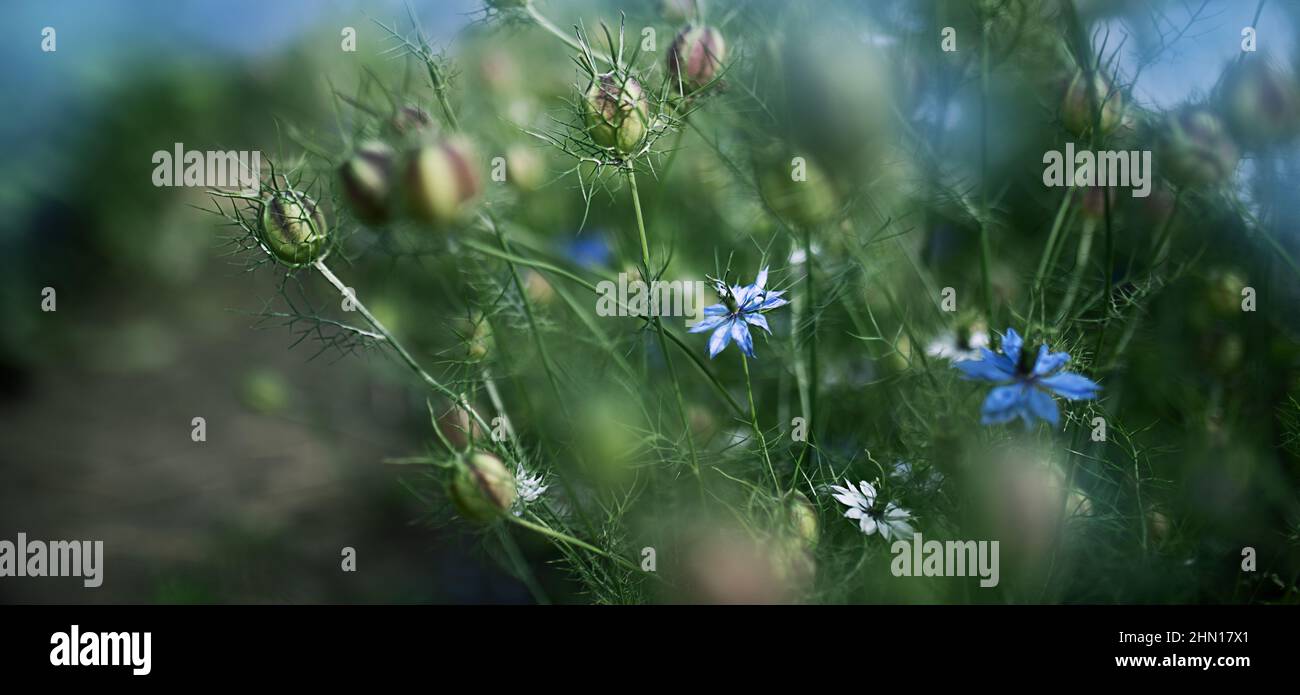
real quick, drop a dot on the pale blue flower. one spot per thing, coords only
(741, 307)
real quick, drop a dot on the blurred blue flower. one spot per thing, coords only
(589, 251)
(741, 307)
(1026, 382)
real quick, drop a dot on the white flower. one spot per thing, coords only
(861, 503)
(948, 346)
(529, 487)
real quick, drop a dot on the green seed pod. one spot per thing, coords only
(1194, 148)
(293, 229)
(696, 57)
(1261, 102)
(1076, 106)
(367, 179)
(476, 334)
(803, 516)
(678, 11)
(483, 489)
(525, 168)
(616, 112)
(441, 180)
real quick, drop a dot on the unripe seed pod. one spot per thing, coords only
(367, 179)
(616, 112)
(459, 427)
(1261, 102)
(293, 229)
(1194, 148)
(476, 333)
(1076, 106)
(525, 168)
(678, 11)
(441, 179)
(483, 490)
(696, 57)
(411, 120)
(803, 516)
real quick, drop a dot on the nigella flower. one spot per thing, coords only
(529, 487)
(888, 519)
(1027, 381)
(741, 307)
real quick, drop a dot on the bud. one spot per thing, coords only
(616, 112)
(1194, 148)
(803, 517)
(410, 121)
(695, 57)
(458, 427)
(476, 333)
(293, 230)
(538, 288)
(367, 179)
(440, 180)
(1261, 102)
(524, 168)
(483, 489)
(678, 11)
(1076, 106)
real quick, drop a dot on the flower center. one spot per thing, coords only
(1025, 366)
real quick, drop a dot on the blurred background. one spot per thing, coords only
(155, 325)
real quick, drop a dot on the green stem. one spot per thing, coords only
(541, 21)
(659, 329)
(810, 288)
(397, 347)
(985, 279)
(566, 538)
(561, 272)
(753, 421)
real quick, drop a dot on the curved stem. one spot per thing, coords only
(566, 538)
(659, 329)
(541, 21)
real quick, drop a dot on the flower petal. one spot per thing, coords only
(1070, 385)
(740, 333)
(773, 300)
(761, 281)
(758, 320)
(868, 492)
(1042, 406)
(720, 338)
(1048, 362)
(1011, 344)
(991, 368)
(867, 524)
(1003, 403)
(708, 323)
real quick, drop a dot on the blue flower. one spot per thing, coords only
(1026, 382)
(741, 307)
